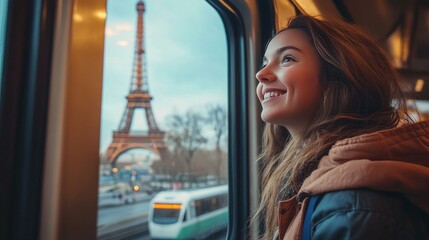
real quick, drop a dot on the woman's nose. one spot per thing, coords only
(264, 75)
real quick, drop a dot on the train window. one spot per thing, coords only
(164, 110)
(223, 200)
(185, 216)
(204, 207)
(211, 204)
(3, 11)
(166, 213)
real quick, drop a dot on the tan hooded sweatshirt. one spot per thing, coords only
(395, 160)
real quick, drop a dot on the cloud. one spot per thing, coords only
(116, 29)
(124, 27)
(122, 43)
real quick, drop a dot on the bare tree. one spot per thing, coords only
(217, 119)
(185, 135)
(206, 163)
(171, 164)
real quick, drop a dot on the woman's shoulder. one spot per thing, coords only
(368, 213)
(362, 199)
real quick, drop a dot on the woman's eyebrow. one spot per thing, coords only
(282, 49)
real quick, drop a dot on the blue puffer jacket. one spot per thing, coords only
(367, 214)
(373, 186)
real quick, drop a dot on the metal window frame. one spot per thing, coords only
(23, 114)
(247, 32)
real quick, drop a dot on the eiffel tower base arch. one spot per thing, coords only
(123, 142)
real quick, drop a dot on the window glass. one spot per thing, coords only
(418, 109)
(166, 216)
(3, 15)
(164, 113)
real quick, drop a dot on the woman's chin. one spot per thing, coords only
(271, 118)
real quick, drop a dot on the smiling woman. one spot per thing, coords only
(289, 88)
(98, 100)
(341, 98)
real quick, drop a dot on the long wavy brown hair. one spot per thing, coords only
(362, 93)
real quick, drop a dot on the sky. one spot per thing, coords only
(186, 60)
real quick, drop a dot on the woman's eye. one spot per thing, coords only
(287, 59)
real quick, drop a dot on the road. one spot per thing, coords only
(114, 214)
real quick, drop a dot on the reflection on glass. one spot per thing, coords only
(418, 109)
(164, 121)
(3, 15)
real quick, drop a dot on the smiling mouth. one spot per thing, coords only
(269, 95)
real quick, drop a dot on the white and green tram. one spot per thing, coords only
(188, 214)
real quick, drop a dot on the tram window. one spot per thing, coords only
(185, 216)
(160, 83)
(204, 207)
(207, 205)
(166, 216)
(198, 208)
(223, 201)
(3, 11)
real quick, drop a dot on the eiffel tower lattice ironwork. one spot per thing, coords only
(138, 98)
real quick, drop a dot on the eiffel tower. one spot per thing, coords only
(138, 98)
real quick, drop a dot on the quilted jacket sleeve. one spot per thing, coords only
(365, 214)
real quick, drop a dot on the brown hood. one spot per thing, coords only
(395, 160)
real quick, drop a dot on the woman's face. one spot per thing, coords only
(289, 86)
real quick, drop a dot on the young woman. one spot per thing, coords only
(337, 128)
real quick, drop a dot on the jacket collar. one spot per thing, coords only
(395, 160)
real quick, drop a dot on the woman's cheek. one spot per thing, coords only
(259, 91)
